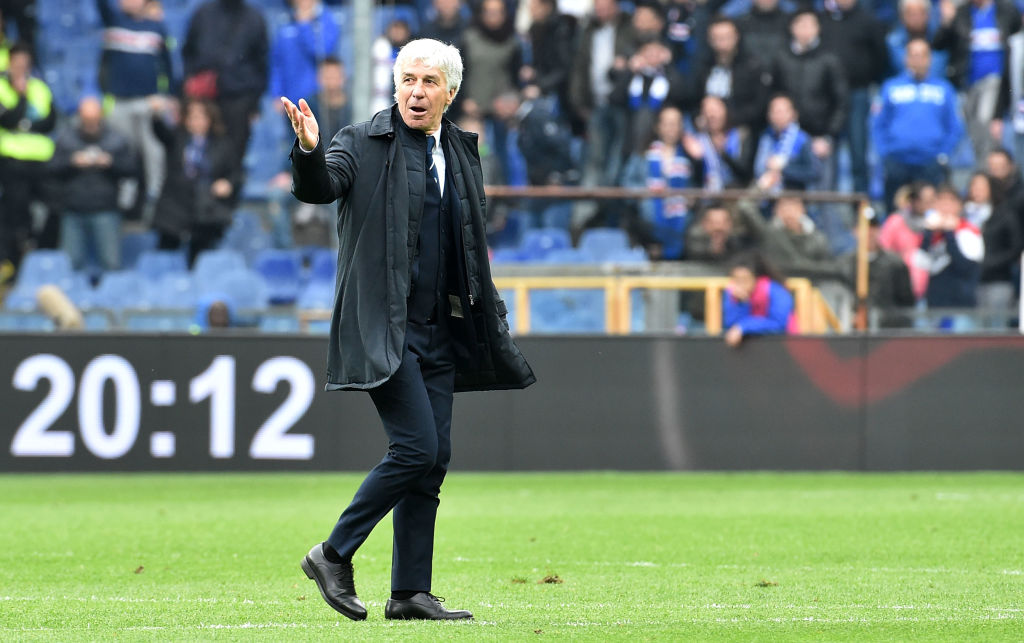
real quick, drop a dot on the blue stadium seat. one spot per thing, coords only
(243, 288)
(507, 255)
(44, 267)
(318, 295)
(154, 264)
(383, 15)
(158, 322)
(323, 266)
(96, 321)
(279, 324)
(566, 256)
(629, 255)
(599, 242)
(567, 311)
(212, 263)
(319, 327)
(25, 322)
(122, 290)
(175, 290)
(21, 299)
(282, 272)
(536, 244)
(134, 245)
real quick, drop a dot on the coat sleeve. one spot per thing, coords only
(803, 167)
(323, 177)
(840, 89)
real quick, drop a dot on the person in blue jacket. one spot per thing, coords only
(755, 302)
(916, 124)
(299, 47)
(784, 159)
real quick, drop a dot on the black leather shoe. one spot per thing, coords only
(335, 583)
(423, 606)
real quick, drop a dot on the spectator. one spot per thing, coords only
(764, 28)
(202, 179)
(904, 229)
(23, 14)
(1003, 236)
(5, 45)
(755, 301)
(605, 41)
(225, 56)
(915, 22)
(648, 82)
(858, 40)
(493, 55)
(551, 39)
(26, 115)
(1007, 185)
(725, 152)
(916, 125)
(714, 238)
(784, 158)
(790, 240)
(685, 25)
(300, 45)
(954, 250)
(730, 74)
(814, 79)
(90, 160)
(135, 64)
(975, 33)
(664, 165)
(649, 22)
(978, 205)
(448, 23)
(889, 290)
(385, 48)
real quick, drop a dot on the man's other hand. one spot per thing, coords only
(303, 122)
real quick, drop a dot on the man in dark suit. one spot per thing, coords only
(416, 317)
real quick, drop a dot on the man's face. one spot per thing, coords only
(742, 282)
(331, 77)
(791, 213)
(723, 38)
(446, 8)
(670, 125)
(90, 115)
(606, 10)
(915, 17)
(999, 167)
(919, 58)
(781, 113)
(423, 96)
(646, 21)
(766, 5)
(717, 223)
(924, 201)
(492, 13)
(715, 114)
(947, 205)
(539, 10)
(805, 29)
(133, 7)
(398, 33)
(19, 65)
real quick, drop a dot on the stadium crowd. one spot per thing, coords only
(919, 105)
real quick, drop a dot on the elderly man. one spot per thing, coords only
(416, 316)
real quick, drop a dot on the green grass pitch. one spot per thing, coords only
(667, 557)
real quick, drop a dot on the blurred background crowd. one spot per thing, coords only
(142, 143)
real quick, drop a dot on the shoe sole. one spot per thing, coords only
(307, 567)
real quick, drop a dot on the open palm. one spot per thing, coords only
(303, 122)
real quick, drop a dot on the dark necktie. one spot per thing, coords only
(430, 161)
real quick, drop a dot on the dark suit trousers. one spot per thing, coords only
(415, 406)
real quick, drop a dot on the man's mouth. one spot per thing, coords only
(416, 109)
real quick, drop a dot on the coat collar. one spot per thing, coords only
(384, 122)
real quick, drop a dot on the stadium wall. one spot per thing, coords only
(209, 403)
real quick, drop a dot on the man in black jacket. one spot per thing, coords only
(815, 80)
(90, 161)
(765, 28)
(229, 38)
(416, 316)
(552, 35)
(733, 75)
(858, 41)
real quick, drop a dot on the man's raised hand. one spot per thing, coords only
(303, 122)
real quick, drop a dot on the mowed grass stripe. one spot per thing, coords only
(588, 556)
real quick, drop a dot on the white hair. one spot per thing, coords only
(432, 53)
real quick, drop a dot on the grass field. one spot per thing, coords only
(634, 557)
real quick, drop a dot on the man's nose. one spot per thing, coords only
(417, 90)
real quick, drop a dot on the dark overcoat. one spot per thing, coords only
(365, 171)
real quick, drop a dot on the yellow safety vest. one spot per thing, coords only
(26, 146)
